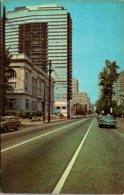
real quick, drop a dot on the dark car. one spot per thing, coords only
(9, 122)
(107, 121)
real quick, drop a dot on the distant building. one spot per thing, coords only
(79, 98)
(75, 86)
(59, 42)
(30, 87)
(119, 88)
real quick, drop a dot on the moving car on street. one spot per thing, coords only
(107, 121)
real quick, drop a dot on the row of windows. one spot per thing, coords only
(59, 33)
(59, 107)
(59, 46)
(63, 59)
(64, 54)
(56, 23)
(60, 67)
(15, 19)
(51, 26)
(57, 37)
(54, 54)
(55, 50)
(13, 45)
(11, 33)
(51, 37)
(31, 20)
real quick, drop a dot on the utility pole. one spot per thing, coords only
(2, 68)
(44, 103)
(110, 93)
(49, 103)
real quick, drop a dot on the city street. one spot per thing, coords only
(73, 156)
(62, 97)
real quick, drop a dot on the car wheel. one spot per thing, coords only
(5, 129)
(100, 126)
(16, 128)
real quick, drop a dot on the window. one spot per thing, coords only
(12, 84)
(26, 75)
(11, 103)
(58, 107)
(13, 75)
(63, 107)
(27, 104)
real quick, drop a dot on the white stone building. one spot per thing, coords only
(30, 87)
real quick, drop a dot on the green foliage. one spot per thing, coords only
(29, 114)
(108, 77)
(119, 109)
(8, 70)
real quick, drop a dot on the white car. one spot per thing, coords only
(10, 122)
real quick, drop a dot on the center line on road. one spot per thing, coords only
(65, 174)
(37, 137)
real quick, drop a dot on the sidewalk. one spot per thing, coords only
(29, 123)
(120, 124)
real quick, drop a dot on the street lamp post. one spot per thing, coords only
(111, 110)
(44, 102)
(49, 103)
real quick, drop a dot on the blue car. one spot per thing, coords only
(107, 121)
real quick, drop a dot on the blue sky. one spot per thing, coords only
(98, 34)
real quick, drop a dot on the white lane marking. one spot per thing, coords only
(65, 174)
(37, 137)
(27, 129)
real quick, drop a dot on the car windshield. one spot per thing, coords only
(108, 117)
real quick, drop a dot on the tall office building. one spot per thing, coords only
(59, 42)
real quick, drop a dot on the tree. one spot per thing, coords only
(8, 70)
(108, 77)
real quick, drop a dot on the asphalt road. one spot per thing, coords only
(75, 156)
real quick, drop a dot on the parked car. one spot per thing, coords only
(10, 122)
(107, 121)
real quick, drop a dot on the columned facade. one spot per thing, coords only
(30, 87)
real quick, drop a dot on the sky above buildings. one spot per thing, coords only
(97, 35)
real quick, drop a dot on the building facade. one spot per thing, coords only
(119, 89)
(80, 100)
(30, 87)
(33, 41)
(75, 86)
(59, 43)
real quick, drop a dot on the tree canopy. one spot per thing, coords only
(107, 79)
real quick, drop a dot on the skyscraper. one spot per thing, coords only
(59, 42)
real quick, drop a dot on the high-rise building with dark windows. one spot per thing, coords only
(59, 43)
(33, 41)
